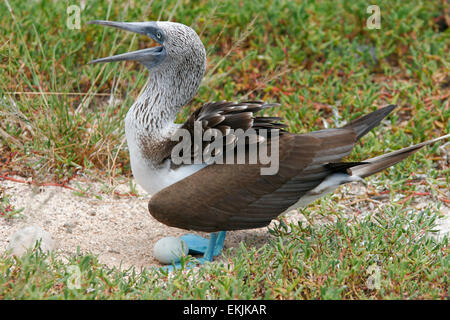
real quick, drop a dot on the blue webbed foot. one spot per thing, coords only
(195, 243)
(198, 245)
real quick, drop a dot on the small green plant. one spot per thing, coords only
(389, 255)
(7, 210)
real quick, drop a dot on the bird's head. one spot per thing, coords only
(178, 44)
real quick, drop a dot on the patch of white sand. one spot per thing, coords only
(120, 230)
(117, 229)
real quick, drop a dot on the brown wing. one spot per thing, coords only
(225, 117)
(232, 197)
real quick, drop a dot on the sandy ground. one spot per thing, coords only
(119, 229)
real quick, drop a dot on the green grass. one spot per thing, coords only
(308, 56)
(391, 250)
(6, 209)
(59, 116)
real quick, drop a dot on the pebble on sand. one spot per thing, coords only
(26, 238)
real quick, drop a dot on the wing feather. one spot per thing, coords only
(236, 196)
(249, 199)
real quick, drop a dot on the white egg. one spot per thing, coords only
(170, 249)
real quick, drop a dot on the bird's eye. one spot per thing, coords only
(159, 35)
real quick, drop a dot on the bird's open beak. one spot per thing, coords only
(149, 57)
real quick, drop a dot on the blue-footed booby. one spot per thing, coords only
(216, 197)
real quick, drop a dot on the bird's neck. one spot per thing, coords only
(150, 120)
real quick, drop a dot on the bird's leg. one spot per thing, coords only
(210, 250)
(219, 243)
(195, 243)
(215, 246)
(198, 245)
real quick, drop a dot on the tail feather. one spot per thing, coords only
(369, 121)
(384, 161)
